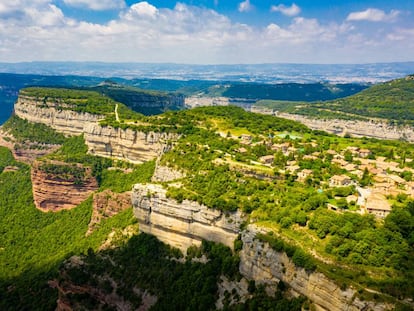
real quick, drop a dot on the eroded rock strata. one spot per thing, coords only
(182, 224)
(106, 141)
(374, 129)
(55, 192)
(259, 262)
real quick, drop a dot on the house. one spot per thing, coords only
(303, 174)
(281, 147)
(340, 181)
(309, 157)
(391, 179)
(246, 139)
(349, 167)
(241, 150)
(267, 159)
(340, 162)
(363, 153)
(378, 205)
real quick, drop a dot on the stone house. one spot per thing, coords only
(340, 181)
(378, 205)
(267, 159)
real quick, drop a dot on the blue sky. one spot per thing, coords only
(207, 31)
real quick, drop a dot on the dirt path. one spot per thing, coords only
(116, 113)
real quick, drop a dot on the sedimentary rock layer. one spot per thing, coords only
(54, 193)
(259, 262)
(182, 224)
(106, 141)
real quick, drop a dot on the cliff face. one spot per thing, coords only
(259, 262)
(129, 145)
(65, 121)
(181, 224)
(136, 147)
(184, 224)
(54, 192)
(356, 128)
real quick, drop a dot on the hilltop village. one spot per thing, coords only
(372, 181)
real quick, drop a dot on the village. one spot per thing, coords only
(376, 180)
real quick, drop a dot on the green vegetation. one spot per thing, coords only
(65, 172)
(33, 244)
(72, 99)
(23, 130)
(221, 176)
(147, 102)
(143, 261)
(6, 158)
(120, 181)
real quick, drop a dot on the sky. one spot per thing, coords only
(207, 31)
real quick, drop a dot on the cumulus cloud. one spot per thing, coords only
(98, 5)
(245, 6)
(373, 15)
(143, 9)
(292, 10)
(142, 32)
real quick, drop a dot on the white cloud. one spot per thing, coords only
(292, 10)
(143, 9)
(245, 6)
(39, 30)
(98, 5)
(373, 15)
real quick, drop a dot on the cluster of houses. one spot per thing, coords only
(372, 199)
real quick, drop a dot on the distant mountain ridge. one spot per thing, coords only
(153, 96)
(392, 101)
(260, 73)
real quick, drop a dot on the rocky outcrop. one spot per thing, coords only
(55, 192)
(165, 173)
(182, 224)
(54, 114)
(259, 262)
(374, 129)
(107, 204)
(129, 145)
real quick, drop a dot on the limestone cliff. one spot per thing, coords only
(259, 262)
(182, 224)
(130, 145)
(106, 141)
(51, 113)
(375, 129)
(57, 191)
